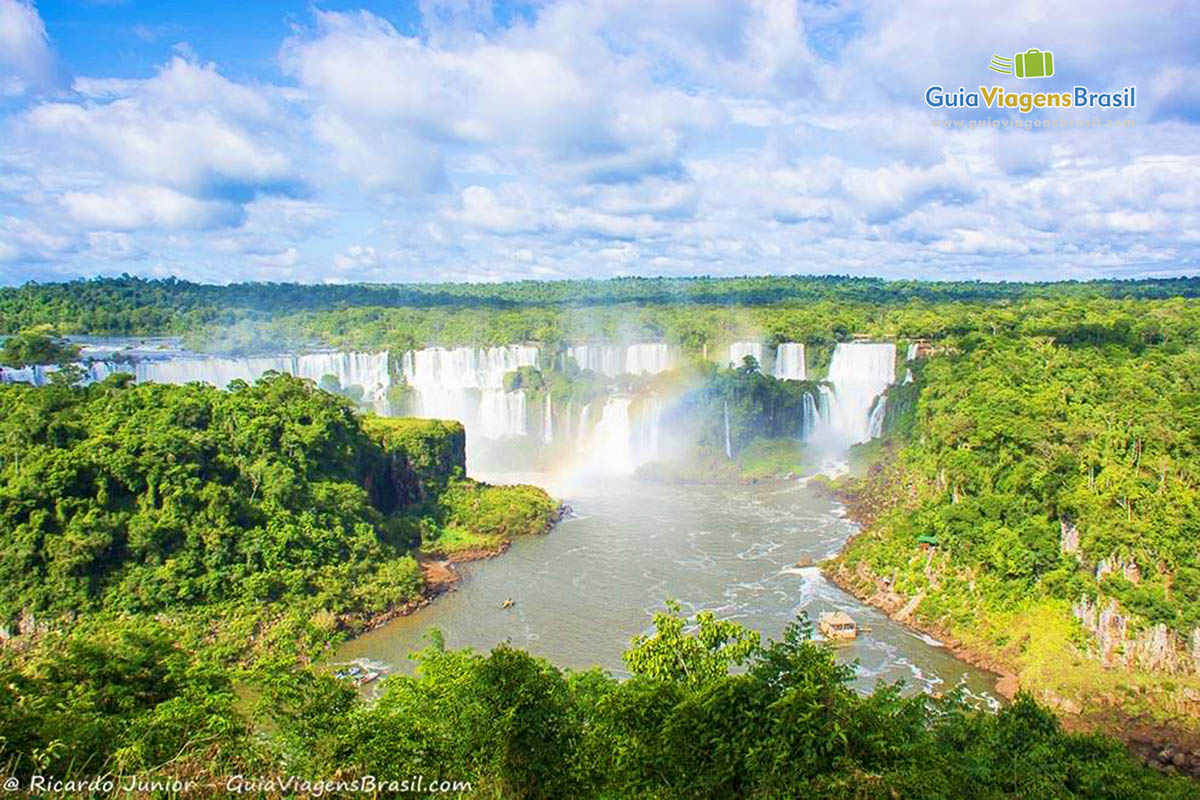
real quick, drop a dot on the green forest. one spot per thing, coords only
(177, 559)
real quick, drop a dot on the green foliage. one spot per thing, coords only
(472, 515)
(36, 348)
(141, 498)
(759, 407)
(697, 465)
(122, 697)
(784, 723)
(672, 654)
(766, 458)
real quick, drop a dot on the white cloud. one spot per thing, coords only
(187, 127)
(601, 137)
(26, 60)
(137, 206)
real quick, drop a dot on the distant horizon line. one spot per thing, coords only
(610, 279)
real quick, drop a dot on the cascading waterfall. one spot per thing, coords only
(739, 350)
(599, 358)
(912, 351)
(625, 436)
(646, 358)
(649, 428)
(501, 414)
(610, 445)
(875, 421)
(467, 384)
(728, 445)
(368, 370)
(789, 362)
(812, 416)
(547, 422)
(39, 375)
(581, 437)
(859, 373)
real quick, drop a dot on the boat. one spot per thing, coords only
(366, 678)
(837, 625)
(507, 603)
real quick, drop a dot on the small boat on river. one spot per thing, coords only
(837, 625)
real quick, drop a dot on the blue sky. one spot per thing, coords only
(465, 140)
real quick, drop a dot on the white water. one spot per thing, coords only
(582, 431)
(728, 448)
(812, 416)
(368, 370)
(789, 362)
(859, 373)
(646, 358)
(912, 351)
(502, 414)
(40, 375)
(610, 445)
(875, 421)
(625, 436)
(548, 422)
(467, 384)
(739, 350)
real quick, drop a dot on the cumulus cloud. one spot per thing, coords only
(26, 60)
(139, 206)
(187, 127)
(604, 137)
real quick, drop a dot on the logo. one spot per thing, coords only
(1033, 63)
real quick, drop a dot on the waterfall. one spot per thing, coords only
(547, 422)
(789, 362)
(875, 421)
(739, 350)
(859, 373)
(621, 439)
(35, 375)
(467, 384)
(908, 376)
(912, 351)
(811, 417)
(611, 443)
(502, 414)
(728, 447)
(581, 436)
(368, 370)
(647, 358)
(39, 374)
(648, 429)
(599, 358)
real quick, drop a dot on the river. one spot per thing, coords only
(584, 590)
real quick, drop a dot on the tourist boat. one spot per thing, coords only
(837, 625)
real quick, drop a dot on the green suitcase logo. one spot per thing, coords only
(1033, 63)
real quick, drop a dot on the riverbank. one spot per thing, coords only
(439, 575)
(1169, 743)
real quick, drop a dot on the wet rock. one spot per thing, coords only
(1068, 540)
